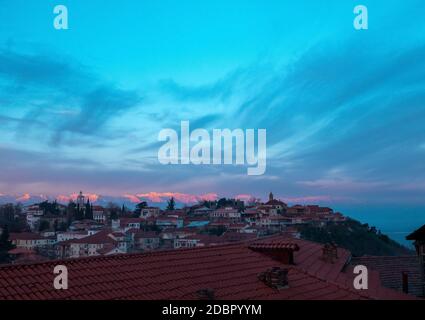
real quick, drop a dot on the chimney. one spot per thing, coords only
(405, 280)
(282, 252)
(205, 294)
(276, 278)
(330, 253)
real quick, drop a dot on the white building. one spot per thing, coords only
(149, 212)
(99, 214)
(226, 213)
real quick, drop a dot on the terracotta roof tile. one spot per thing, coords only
(231, 270)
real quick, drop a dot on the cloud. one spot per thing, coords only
(60, 97)
(343, 184)
(315, 199)
(334, 105)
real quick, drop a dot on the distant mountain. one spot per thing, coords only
(28, 199)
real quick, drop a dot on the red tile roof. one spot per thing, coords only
(391, 269)
(25, 236)
(275, 246)
(231, 271)
(101, 237)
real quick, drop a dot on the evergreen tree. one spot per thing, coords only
(71, 210)
(88, 211)
(79, 213)
(113, 210)
(44, 225)
(5, 245)
(171, 205)
(114, 215)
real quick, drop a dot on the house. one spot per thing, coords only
(90, 246)
(172, 233)
(250, 215)
(125, 224)
(169, 222)
(109, 249)
(197, 240)
(296, 210)
(69, 235)
(275, 222)
(149, 212)
(202, 211)
(146, 240)
(238, 227)
(33, 215)
(276, 205)
(30, 241)
(85, 225)
(99, 214)
(325, 210)
(274, 268)
(226, 213)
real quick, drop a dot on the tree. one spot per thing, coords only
(44, 225)
(171, 204)
(62, 226)
(71, 210)
(88, 212)
(5, 245)
(49, 208)
(113, 210)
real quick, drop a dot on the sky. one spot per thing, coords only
(344, 110)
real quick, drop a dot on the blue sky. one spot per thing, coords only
(344, 109)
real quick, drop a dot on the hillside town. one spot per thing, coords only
(50, 230)
(218, 247)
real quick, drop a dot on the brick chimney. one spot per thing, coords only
(330, 253)
(276, 278)
(279, 251)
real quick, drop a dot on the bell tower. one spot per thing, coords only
(80, 200)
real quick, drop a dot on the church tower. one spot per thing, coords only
(271, 196)
(80, 200)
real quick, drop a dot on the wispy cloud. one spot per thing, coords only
(58, 96)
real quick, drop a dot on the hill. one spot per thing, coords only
(360, 239)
